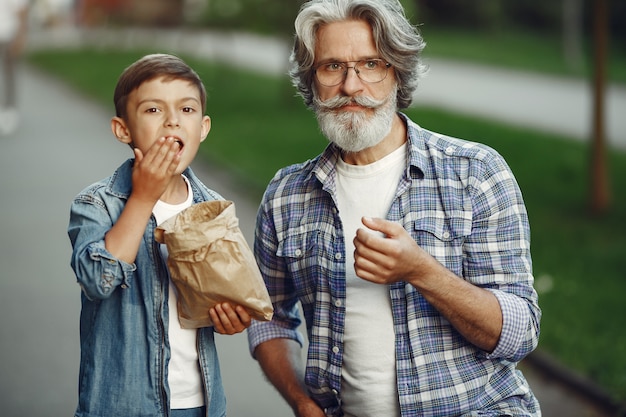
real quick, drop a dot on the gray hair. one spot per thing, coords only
(396, 39)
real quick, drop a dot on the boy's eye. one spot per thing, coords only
(152, 110)
(188, 109)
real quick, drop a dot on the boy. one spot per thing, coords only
(136, 360)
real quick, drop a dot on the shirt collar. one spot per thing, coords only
(417, 155)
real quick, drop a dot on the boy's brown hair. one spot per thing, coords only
(149, 67)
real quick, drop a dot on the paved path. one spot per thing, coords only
(63, 145)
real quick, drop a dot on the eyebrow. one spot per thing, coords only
(158, 100)
(331, 60)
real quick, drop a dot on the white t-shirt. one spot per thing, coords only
(368, 386)
(184, 378)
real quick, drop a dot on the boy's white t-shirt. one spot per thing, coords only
(368, 387)
(184, 377)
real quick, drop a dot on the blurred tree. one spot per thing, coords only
(600, 191)
(96, 12)
(466, 14)
(573, 33)
(537, 16)
(155, 12)
(133, 12)
(262, 16)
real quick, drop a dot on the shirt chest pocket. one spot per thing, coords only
(302, 249)
(305, 254)
(295, 244)
(444, 237)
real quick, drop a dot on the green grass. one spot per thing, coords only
(259, 126)
(522, 50)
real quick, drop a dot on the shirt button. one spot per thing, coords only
(335, 349)
(338, 256)
(298, 253)
(337, 303)
(446, 235)
(449, 150)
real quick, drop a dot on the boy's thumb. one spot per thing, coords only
(138, 154)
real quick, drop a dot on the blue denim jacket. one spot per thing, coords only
(123, 322)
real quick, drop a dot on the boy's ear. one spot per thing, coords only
(120, 130)
(206, 127)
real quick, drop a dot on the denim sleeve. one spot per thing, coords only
(97, 271)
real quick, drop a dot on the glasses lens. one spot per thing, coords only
(371, 70)
(331, 74)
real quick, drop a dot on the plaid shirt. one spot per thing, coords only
(460, 202)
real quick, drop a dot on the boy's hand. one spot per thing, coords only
(229, 320)
(153, 171)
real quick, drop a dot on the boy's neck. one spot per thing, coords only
(176, 192)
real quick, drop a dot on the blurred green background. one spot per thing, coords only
(259, 126)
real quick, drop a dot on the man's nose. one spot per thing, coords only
(351, 82)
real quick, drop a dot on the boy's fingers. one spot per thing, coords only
(228, 320)
(217, 321)
(244, 316)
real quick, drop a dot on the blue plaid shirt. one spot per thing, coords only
(460, 202)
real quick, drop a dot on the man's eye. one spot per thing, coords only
(152, 110)
(370, 64)
(333, 67)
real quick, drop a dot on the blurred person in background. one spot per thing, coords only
(408, 250)
(13, 26)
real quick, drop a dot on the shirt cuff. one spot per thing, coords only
(515, 322)
(262, 331)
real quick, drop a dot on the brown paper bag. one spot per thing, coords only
(210, 262)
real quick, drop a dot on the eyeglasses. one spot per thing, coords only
(370, 71)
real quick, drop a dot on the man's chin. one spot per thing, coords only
(353, 143)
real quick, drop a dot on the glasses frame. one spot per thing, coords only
(354, 67)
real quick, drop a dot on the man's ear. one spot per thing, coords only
(120, 130)
(206, 127)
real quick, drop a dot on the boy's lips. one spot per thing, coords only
(179, 141)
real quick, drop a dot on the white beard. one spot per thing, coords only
(355, 131)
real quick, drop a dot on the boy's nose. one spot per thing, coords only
(171, 119)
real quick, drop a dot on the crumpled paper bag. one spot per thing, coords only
(210, 262)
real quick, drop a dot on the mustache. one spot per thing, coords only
(340, 101)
